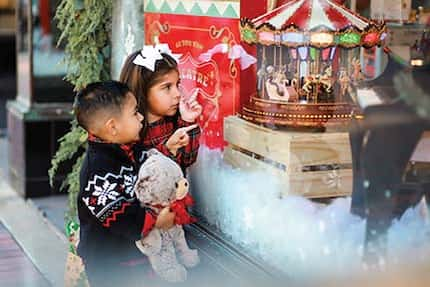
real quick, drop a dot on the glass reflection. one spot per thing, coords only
(47, 56)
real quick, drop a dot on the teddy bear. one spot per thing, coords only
(161, 183)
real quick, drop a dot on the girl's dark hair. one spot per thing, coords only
(140, 79)
(107, 96)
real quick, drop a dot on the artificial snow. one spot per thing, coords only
(294, 234)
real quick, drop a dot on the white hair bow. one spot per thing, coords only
(149, 54)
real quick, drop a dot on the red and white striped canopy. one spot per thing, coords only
(309, 15)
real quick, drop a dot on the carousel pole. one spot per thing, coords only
(308, 63)
(263, 66)
(280, 56)
(348, 66)
(354, 5)
(298, 61)
(317, 61)
(317, 72)
(308, 68)
(311, 67)
(274, 56)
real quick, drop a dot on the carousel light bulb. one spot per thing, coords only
(277, 38)
(303, 52)
(371, 38)
(322, 38)
(350, 38)
(417, 62)
(292, 37)
(266, 37)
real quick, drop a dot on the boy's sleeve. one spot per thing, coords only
(111, 203)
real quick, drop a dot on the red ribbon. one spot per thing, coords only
(179, 207)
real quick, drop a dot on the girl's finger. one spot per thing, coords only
(179, 133)
(184, 140)
(193, 96)
(184, 143)
(193, 104)
(189, 128)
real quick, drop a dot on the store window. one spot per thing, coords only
(314, 156)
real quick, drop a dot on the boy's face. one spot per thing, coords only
(164, 96)
(129, 123)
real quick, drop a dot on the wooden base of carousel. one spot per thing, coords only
(314, 165)
(306, 115)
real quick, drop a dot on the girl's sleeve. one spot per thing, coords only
(156, 137)
(161, 147)
(187, 155)
(110, 203)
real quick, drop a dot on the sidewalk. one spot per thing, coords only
(36, 250)
(16, 269)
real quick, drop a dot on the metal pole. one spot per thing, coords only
(354, 5)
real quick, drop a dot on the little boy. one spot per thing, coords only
(111, 218)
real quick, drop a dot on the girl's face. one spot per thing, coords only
(164, 96)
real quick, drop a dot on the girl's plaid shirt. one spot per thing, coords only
(159, 132)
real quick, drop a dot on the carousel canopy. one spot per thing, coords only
(319, 23)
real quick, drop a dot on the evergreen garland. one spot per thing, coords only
(86, 28)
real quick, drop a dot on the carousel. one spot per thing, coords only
(308, 55)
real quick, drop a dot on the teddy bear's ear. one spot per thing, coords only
(143, 189)
(152, 152)
(181, 188)
(147, 154)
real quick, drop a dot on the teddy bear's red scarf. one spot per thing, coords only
(179, 207)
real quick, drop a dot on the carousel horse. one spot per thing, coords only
(314, 85)
(261, 74)
(357, 75)
(277, 84)
(345, 84)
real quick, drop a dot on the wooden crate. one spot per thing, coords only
(311, 164)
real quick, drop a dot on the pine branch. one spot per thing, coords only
(86, 30)
(69, 145)
(86, 26)
(72, 182)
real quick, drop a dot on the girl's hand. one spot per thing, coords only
(179, 139)
(189, 108)
(165, 219)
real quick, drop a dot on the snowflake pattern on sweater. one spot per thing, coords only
(109, 192)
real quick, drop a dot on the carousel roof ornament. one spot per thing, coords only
(317, 23)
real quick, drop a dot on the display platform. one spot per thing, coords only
(311, 164)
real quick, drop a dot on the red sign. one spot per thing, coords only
(205, 64)
(206, 78)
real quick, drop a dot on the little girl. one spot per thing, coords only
(152, 75)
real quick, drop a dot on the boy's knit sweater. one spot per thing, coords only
(111, 218)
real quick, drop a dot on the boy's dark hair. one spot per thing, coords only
(107, 96)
